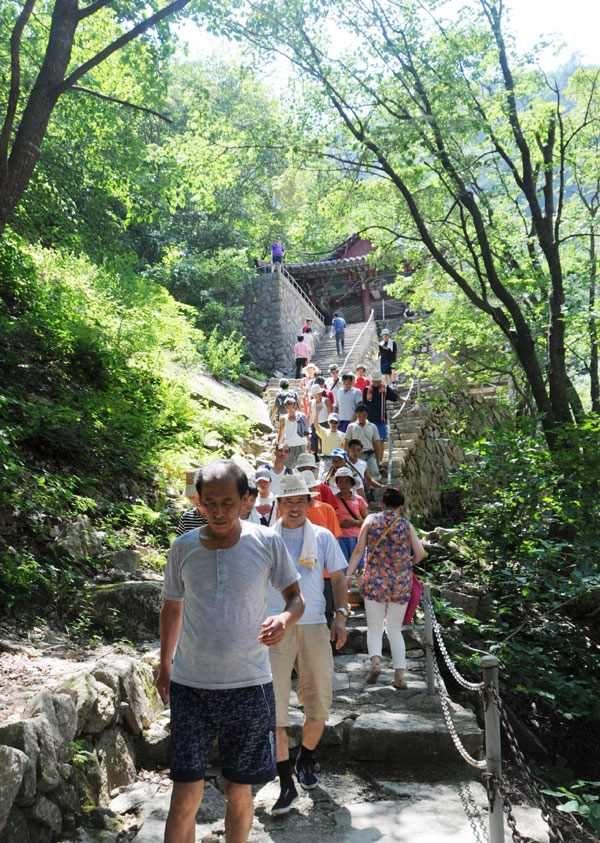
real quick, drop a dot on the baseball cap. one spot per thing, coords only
(333, 417)
(339, 452)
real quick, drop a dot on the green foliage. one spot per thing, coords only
(533, 527)
(582, 797)
(93, 393)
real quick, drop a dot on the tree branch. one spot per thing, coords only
(15, 84)
(121, 102)
(124, 39)
(92, 8)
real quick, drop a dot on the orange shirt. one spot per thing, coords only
(324, 515)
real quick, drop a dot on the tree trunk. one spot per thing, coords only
(593, 327)
(27, 145)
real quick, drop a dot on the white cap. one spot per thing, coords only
(333, 417)
(345, 472)
(316, 389)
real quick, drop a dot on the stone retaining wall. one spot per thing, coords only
(421, 469)
(274, 313)
(74, 748)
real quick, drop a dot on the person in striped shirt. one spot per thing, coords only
(191, 518)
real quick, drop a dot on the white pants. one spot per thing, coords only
(376, 616)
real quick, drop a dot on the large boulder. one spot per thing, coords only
(140, 703)
(137, 606)
(60, 712)
(83, 690)
(13, 763)
(78, 538)
(21, 735)
(44, 813)
(15, 828)
(117, 760)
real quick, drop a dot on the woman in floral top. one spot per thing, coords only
(393, 547)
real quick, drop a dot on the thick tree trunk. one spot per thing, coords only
(593, 327)
(27, 145)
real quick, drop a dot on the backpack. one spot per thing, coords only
(281, 399)
(302, 425)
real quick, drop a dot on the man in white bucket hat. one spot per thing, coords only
(307, 646)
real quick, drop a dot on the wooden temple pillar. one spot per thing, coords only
(366, 301)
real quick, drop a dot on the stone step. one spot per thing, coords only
(350, 808)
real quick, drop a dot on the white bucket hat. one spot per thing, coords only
(345, 472)
(316, 389)
(292, 485)
(376, 375)
(306, 460)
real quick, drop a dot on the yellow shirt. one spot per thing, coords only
(330, 439)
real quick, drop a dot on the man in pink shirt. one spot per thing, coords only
(300, 354)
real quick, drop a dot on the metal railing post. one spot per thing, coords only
(493, 748)
(429, 654)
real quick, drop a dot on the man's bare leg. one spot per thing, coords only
(181, 822)
(239, 811)
(311, 734)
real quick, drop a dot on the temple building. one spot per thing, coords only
(343, 281)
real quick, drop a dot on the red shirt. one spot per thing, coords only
(326, 495)
(362, 383)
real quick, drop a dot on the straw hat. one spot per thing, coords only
(375, 375)
(292, 485)
(190, 482)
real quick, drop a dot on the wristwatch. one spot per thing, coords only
(343, 611)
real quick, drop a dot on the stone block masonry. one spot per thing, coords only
(274, 313)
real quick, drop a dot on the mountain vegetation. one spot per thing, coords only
(137, 187)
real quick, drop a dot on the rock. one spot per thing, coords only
(66, 718)
(66, 797)
(61, 715)
(137, 604)
(21, 735)
(252, 384)
(124, 560)
(45, 812)
(39, 833)
(396, 735)
(47, 765)
(104, 710)
(15, 828)
(244, 464)
(13, 764)
(83, 690)
(131, 800)
(116, 757)
(78, 539)
(469, 603)
(153, 747)
(140, 704)
(86, 777)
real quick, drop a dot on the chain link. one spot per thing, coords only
(490, 780)
(554, 831)
(471, 686)
(444, 700)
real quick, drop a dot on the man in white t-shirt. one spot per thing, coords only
(346, 400)
(278, 467)
(266, 502)
(214, 663)
(313, 550)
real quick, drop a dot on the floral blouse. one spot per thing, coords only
(387, 576)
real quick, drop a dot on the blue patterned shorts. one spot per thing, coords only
(242, 718)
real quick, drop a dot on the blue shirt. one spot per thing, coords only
(339, 324)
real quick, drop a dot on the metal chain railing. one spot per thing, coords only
(444, 700)
(555, 833)
(471, 686)
(495, 786)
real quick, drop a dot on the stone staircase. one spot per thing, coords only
(388, 769)
(325, 354)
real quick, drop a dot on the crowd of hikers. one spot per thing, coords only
(256, 592)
